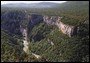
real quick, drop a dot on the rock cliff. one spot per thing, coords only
(56, 20)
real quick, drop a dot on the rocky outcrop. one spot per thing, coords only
(37, 56)
(56, 20)
(50, 20)
(67, 29)
(26, 42)
(25, 39)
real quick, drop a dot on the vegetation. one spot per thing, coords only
(65, 49)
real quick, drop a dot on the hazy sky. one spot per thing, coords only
(6, 2)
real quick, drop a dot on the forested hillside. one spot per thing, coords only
(45, 40)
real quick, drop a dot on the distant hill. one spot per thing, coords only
(78, 9)
(73, 5)
(32, 5)
(64, 6)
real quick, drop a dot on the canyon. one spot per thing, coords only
(49, 20)
(34, 19)
(57, 34)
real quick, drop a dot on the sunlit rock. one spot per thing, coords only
(67, 29)
(50, 20)
(56, 20)
(37, 56)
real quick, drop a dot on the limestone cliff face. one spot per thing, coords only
(50, 20)
(67, 29)
(56, 20)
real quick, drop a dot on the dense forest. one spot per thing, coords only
(65, 49)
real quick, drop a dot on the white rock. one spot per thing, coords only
(37, 56)
(52, 43)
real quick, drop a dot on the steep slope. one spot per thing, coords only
(41, 36)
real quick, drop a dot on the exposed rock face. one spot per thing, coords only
(50, 20)
(25, 39)
(56, 20)
(66, 29)
(37, 56)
